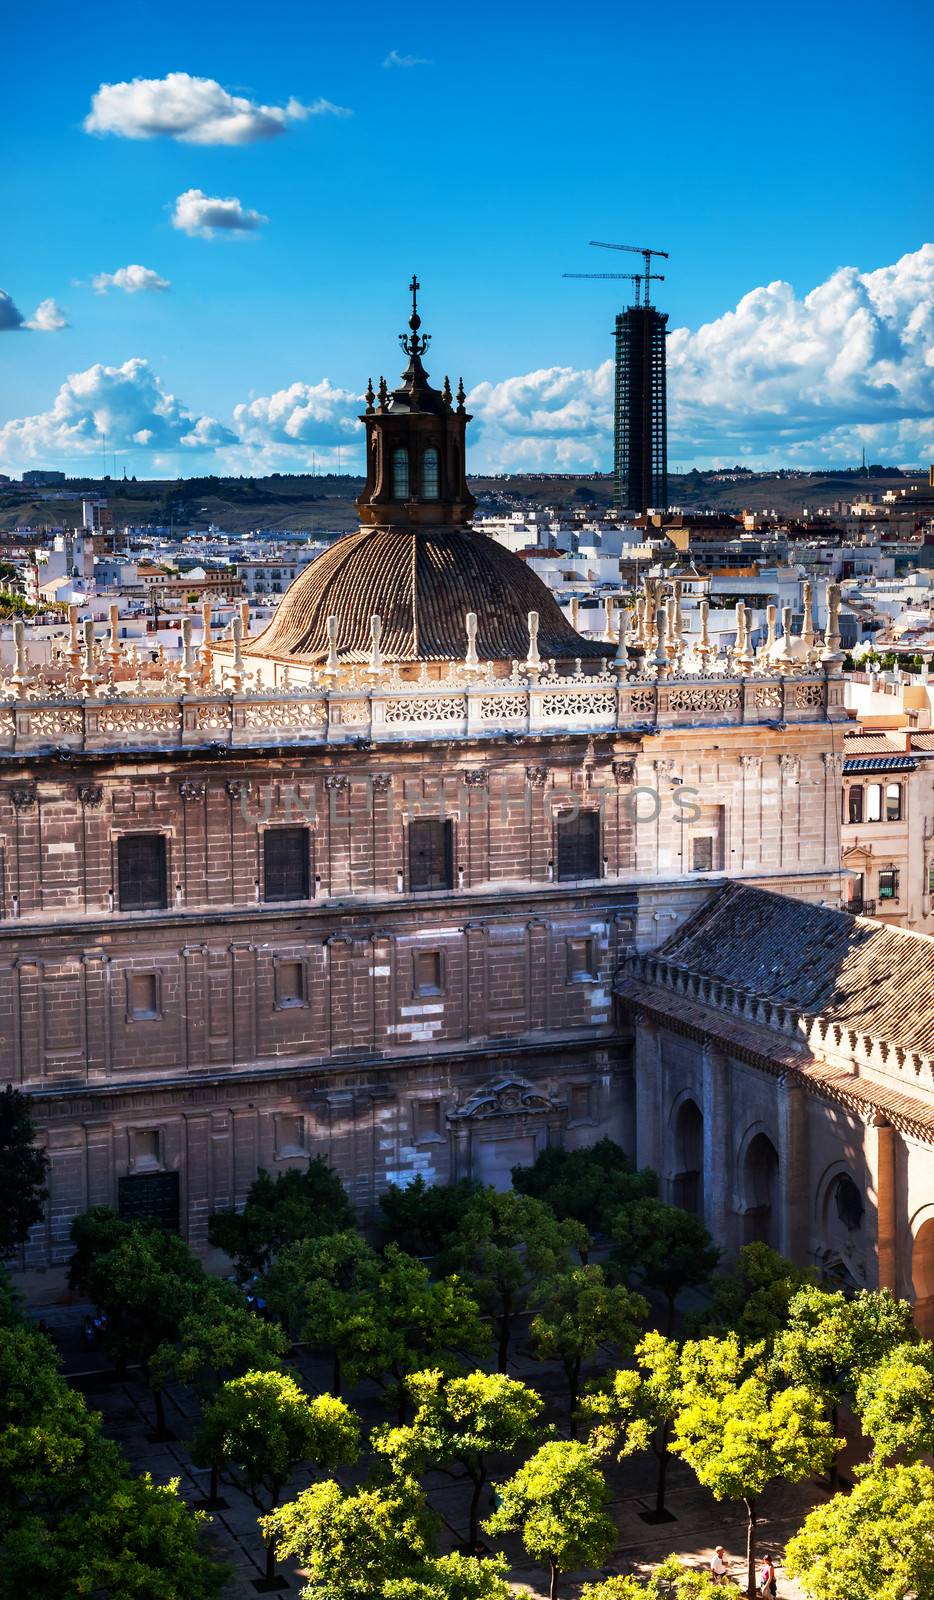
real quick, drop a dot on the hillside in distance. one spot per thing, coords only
(325, 504)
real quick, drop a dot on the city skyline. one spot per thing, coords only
(236, 213)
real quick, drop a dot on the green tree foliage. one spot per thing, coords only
(218, 1339)
(635, 1411)
(464, 1422)
(257, 1429)
(72, 1520)
(831, 1341)
(453, 1577)
(146, 1282)
(578, 1313)
(587, 1185)
(752, 1301)
(876, 1543)
(23, 1167)
(671, 1581)
(353, 1543)
(556, 1503)
(508, 1243)
(279, 1211)
(740, 1432)
(378, 1317)
(666, 1248)
(895, 1402)
(423, 1218)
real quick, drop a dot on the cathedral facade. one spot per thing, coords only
(400, 881)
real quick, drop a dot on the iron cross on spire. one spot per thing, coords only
(414, 343)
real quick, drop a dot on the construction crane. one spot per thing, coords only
(632, 277)
(636, 250)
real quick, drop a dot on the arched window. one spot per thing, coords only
(430, 474)
(688, 1181)
(760, 1183)
(400, 474)
(874, 803)
(893, 802)
(855, 798)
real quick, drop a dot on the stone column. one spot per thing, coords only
(647, 1059)
(718, 1144)
(793, 1170)
(880, 1150)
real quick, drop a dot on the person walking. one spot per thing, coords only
(768, 1586)
(718, 1566)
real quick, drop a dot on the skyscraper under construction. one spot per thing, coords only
(640, 436)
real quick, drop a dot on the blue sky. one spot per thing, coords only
(760, 147)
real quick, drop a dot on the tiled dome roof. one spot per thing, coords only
(421, 582)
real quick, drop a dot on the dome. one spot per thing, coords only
(421, 582)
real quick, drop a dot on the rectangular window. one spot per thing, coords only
(150, 1196)
(427, 972)
(854, 803)
(579, 1107)
(702, 854)
(888, 884)
(581, 963)
(931, 877)
(290, 1136)
(578, 845)
(146, 1150)
(893, 802)
(290, 983)
(426, 1120)
(874, 803)
(141, 872)
(285, 864)
(143, 1003)
(431, 854)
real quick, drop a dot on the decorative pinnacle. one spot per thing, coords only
(369, 396)
(415, 343)
(383, 394)
(446, 394)
(461, 394)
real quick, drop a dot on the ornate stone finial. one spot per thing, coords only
(704, 647)
(471, 659)
(621, 659)
(575, 609)
(609, 630)
(88, 675)
(771, 612)
(674, 637)
(236, 674)
(678, 618)
(369, 397)
(382, 395)
(374, 666)
(661, 646)
(206, 653)
(461, 396)
(831, 654)
(742, 653)
(113, 649)
(807, 626)
(331, 666)
(74, 645)
(786, 658)
(187, 671)
(245, 618)
(446, 394)
(533, 661)
(20, 679)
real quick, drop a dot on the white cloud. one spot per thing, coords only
(396, 59)
(193, 111)
(48, 316)
(777, 379)
(202, 215)
(317, 414)
(128, 403)
(131, 280)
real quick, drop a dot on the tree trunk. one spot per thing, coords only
(474, 1535)
(270, 1572)
(553, 1586)
(662, 1479)
(750, 1548)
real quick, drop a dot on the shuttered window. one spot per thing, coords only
(285, 864)
(578, 845)
(431, 854)
(141, 872)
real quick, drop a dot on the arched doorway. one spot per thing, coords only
(687, 1185)
(922, 1277)
(760, 1189)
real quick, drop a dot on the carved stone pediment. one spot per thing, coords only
(511, 1097)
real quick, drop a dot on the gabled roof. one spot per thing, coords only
(865, 976)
